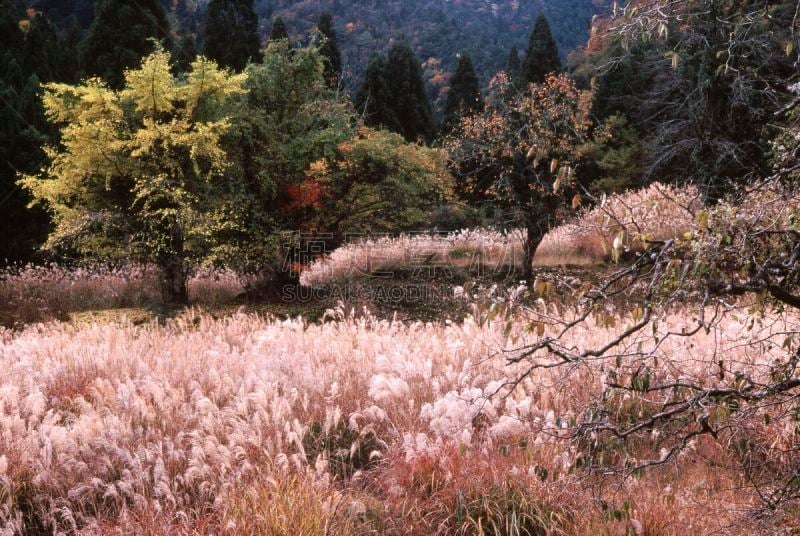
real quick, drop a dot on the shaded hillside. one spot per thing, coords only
(436, 29)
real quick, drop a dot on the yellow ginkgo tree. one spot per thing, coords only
(137, 170)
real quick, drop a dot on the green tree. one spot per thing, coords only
(542, 57)
(122, 33)
(137, 170)
(330, 49)
(464, 96)
(378, 182)
(185, 52)
(717, 73)
(31, 52)
(409, 98)
(374, 99)
(278, 31)
(514, 65)
(288, 118)
(231, 37)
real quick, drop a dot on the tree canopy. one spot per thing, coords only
(330, 49)
(136, 170)
(464, 95)
(541, 57)
(231, 37)
(121, 34)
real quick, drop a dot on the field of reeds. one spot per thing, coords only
(34, 293)
(657, 212)
(247, 425)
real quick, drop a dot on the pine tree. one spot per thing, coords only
(121, 34)
(30, 52)
(330, 50)
(278, 30)
(464, 96)
(409, 99)
(185, 52)
(43, 50)
(542, 56)
(373, 100)
(514, 67)
(231, 37)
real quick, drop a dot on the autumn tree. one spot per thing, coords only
(287, 119)
(302, 165)
(121, 34)
(738, 262)
(329, 49)
(136, 172)
(526, 142)
(231, 37)
(464, 96)
(541, 57)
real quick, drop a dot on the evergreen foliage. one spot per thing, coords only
(409, 98)
(122, 33)
(231, 36)
(541, 57)
(374, 99)
(514, 65)
(437, 30)
(279, 31)
(330, 49)
(464, 96)
(31, 52)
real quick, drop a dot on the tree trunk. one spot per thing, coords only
(533, 238)
(174, 289)
(173, 282)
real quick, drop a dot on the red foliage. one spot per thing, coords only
(307, 194)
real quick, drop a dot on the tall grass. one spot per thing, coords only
(35, 293)
(350, 426)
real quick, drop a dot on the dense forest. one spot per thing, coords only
(436, 29)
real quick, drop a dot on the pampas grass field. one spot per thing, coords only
(250, 425)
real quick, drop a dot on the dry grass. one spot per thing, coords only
(37, 293)
(657, 212)
(245, 425)
(463, 249)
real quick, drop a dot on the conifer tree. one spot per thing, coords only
(31, 52)
(278, 30)
(542, 56)
(464, 97)
(373, 100)
(514, 67)
(121, 34)
(409, 99)
(231, 37)
(185, 52)
(330, 50)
